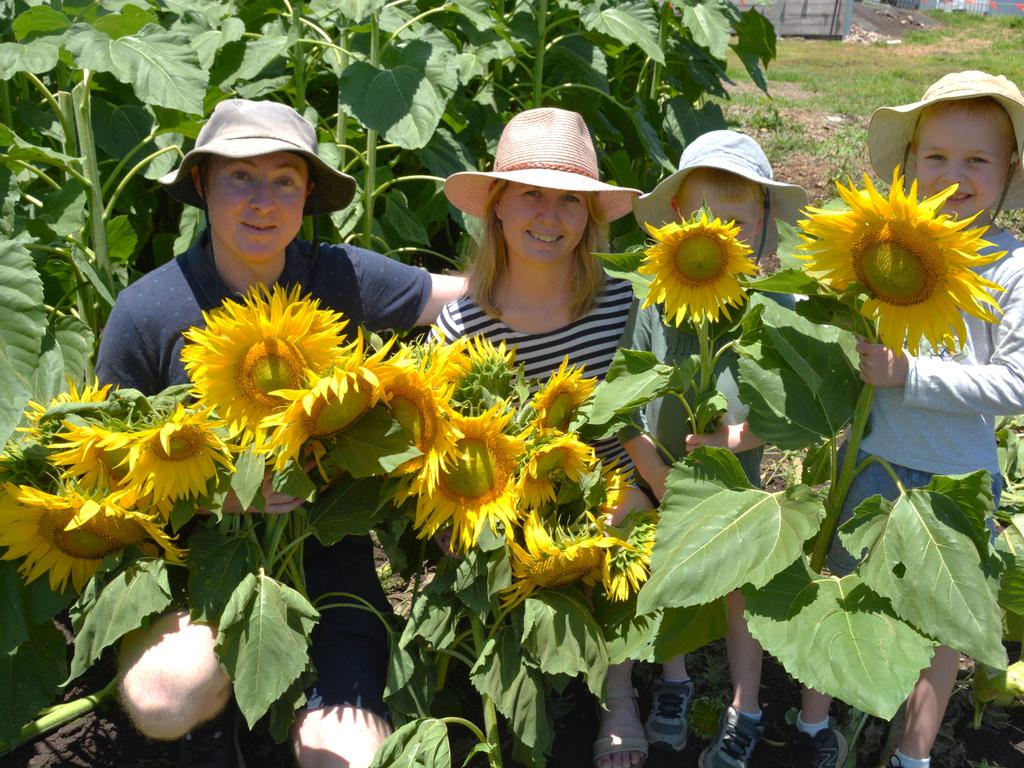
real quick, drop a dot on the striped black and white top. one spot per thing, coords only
(589, 341)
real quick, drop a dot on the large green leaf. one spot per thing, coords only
(41, 19)
(630, 23)
(75, 340)
(633, 379)
(125, 603)
(263, 641)
(22, 314)
(376, 444)
(39, 56)
(712, 539)
(217, 562)
(924, 561)
(798, 378)
(160, 65)
(709, 25)
(419, 744)
(561, 634)
(412, 678)
(503, 673)
(839, 637)
(23, 606)
(248, 477)
(348, 508)
(30, 678)
(755, 44)
(400, 103)
(1011, 585)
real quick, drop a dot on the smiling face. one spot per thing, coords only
(969, 144)
(255, 206)
(541, 225)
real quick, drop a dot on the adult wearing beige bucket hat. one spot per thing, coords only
(536, 285)
(256, 171)
(934, 413)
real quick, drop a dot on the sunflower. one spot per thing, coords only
(916, 264)
(628, 564)
(554, 558)
(476, 484)
(91, 453)
(328, 405)
(696, 267)
(552, 457)
(176, 459)
(249, 351)
(91, 393)
(417, 397)
(561, 396)
(68, 535)
(484, 373)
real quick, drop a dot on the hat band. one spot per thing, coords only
(530, 165)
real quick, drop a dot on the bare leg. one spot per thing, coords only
(814, 706)
(926, 705)
(744, 654)
(620, 719)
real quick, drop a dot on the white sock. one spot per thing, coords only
(754, 717)
(910, 762)
(673, 681)
(811, 729)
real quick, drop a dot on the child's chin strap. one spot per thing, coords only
(1014, 159)
(767, 205)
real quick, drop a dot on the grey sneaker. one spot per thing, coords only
(894, 762)
(669, 722)
(826, 750)
(737, 739)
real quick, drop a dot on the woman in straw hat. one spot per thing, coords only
(255, 170)
(934, 413)
(536, 285)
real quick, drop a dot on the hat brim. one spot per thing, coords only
(785, 200)
(332, 189)
(891, 131)
(468, 190)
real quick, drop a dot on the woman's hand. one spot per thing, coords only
(732, 437)
(274, 502)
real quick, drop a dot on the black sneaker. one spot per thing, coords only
(669, 721)
(826, 750)
(737, 739)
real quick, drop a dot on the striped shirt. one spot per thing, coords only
(589, 341)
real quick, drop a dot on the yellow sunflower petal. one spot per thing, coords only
(557, 401)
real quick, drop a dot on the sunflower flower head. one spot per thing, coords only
(486, 373)
(90, 393)
(559, 399)
(252, 349)
(476, 483)
(554, 557)
(93, 454)
(67, 535)
(696, 267)
(552, 458)
(628, 564)
(916, 265)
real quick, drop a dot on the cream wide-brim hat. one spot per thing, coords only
(545, 147)
(891, 129)
(240, 128)
(727, 151)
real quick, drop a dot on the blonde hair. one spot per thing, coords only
(979, 106)
(490, 264)
(733, 187)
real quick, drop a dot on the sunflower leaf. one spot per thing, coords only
(713, 538)
(412, 677)
(347, 508)
(25, 605)
(218, 562)
(376, 444)
(420, 744)
(248, 477)
(561, 634)
(799, 379)
(1011, 586)
(263, 641)
(924, 558)
(30, 677)
(131, 597)
(838, 637)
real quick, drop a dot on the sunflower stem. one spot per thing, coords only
(466, 724)
(884, 465)
(54, 717)
(838, 491)
(274, 526)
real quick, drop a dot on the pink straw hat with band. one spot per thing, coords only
(544, 147)
(892, 129)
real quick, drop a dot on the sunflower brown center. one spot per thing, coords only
(892, 271)
(700, 259)
(559, 412)
(269, 365)
(476, 474)
(185, 443)
(330, 416)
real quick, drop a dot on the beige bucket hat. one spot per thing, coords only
(892, 129)
(544, 147)
(242, 128)
(727, 151)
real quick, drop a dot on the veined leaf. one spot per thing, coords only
(1011, 585)
(561, 634)
(375, 444)
(633, 379)
(400, 103)
(347, 508)
(263, 641)
(248, 478)
(412, 678)
(839, 637)
(709, 26)
(924, 561)
(125, 603)
(419, 744)
(41, 18)
(798, 378)
(218, 562)
(30, 677)
(38, 56)
(22, 315)
(712, 539)
(23, 606)
(160, 65)
(630, 23)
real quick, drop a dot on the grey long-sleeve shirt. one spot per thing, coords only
(943, 419)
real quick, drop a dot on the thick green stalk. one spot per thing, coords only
(80, 95)
(538, 64)
(340, 137)
(837, 493)
(298, 54)
(54, 717)
(490, 711)
(7, 116)
(666, 9)
(370, 180)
